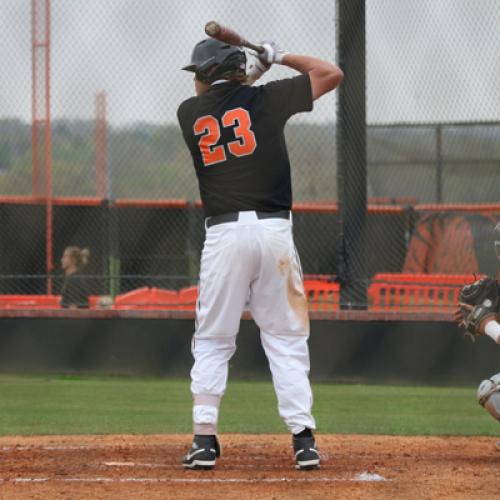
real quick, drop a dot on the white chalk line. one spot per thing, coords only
(135, 464)
(176, 465)
(51, 448)
(73, 447)
(363, 477)
(85, 447)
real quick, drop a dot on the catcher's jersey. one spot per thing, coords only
(235, 134)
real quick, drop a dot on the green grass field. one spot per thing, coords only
(31, 405)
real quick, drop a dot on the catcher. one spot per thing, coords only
(478, 312)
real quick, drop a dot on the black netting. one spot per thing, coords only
(419, 129)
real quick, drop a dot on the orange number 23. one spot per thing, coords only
(209, 129)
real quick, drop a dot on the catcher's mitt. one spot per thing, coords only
(478, 301)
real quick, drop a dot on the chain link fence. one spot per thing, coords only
(433, 124)
(128, 191)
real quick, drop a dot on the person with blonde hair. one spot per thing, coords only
(75, 290)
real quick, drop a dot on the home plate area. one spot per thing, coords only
(251, 466)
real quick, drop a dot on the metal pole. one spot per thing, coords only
(439, 165)
(101, 146)
(35, 180)
(351, 154)
(48, 153)
(40, 33)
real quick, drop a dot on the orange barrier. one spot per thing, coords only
(375, 204)
(408, 297)
(39, 301)
(187, 298)
(30, 301)
(91, 201)
(388, 292)
(422, 278)
(147, 298)
(416, 291)
(94, 301)
(395, 292)
(151, 203)
(130, 299)
(426, 278)
(322, 296)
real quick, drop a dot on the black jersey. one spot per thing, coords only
(75, 291)
(235, 134)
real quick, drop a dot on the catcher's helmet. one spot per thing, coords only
(496, 239)
(212, 60)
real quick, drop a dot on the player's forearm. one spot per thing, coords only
(492, 329)
(306, 64)
(325, 76)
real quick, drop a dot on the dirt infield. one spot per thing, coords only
(252, 467)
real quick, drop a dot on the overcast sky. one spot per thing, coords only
(427, 60)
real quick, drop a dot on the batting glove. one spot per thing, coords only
(272, 53)
(256, 69)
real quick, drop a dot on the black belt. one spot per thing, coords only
(234, 216)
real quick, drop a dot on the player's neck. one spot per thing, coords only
(200, 87)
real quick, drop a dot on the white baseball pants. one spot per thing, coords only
(251, 262)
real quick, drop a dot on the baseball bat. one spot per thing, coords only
(227, 35)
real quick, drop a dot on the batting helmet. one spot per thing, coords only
(496, 238)
(214, 60)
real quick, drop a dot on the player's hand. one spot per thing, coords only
(461, 313)
(273, 53)
(256, 68)
(478, 304)
(473, 318)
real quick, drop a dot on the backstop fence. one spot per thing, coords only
(399, 168)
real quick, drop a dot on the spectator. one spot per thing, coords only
(75, 290)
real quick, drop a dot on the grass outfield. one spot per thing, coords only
(31, 405)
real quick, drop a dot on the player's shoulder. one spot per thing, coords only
(186, 107)
(288, 96)
(284, 83)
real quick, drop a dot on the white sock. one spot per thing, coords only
(492, 329)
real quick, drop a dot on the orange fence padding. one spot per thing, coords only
(146, 298)
(187, 298)
(322, 295)
(134, 297)
(30, 301)
(426, 278)
(417, 292)
(415, 298)
(387, 292)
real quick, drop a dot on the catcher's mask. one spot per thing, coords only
(214, 60)
(496, 233)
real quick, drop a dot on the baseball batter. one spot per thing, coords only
(235, 133)
(478, 313)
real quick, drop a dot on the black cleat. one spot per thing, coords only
(306, 454)
(203, 453)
